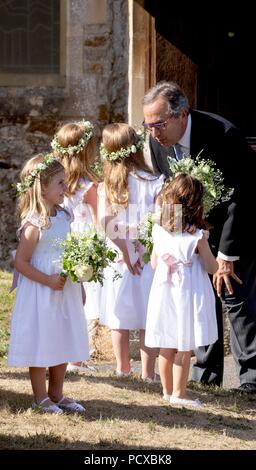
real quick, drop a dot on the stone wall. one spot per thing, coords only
(96, 88)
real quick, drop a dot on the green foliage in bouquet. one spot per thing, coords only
(206, 172)
(145, 233)
(85, 255)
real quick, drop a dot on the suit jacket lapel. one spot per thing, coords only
(199, 139)
(159, 156)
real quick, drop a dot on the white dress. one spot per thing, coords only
(124, 301)
(82, 218)
(181, 308)
(48, 327)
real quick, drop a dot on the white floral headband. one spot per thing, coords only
(23, 186)
(83, 141)
(123, 152)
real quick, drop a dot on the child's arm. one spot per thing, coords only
(153, 260)
(121, 244)
(108, 222)
(111, 229)
(90, 197)
(209, 261)
(27, 244)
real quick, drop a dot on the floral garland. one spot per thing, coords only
(23, 186)
(211, 178)
(83, 141)
(123, 152)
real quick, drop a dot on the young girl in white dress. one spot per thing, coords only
(126, 196)
(48, 326)
(181, 310)
(75, 146)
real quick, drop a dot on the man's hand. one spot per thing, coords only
(225, 271)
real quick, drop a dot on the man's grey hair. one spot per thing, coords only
(172, 92)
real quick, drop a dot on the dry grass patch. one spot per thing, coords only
(120, 413)
(123, 414)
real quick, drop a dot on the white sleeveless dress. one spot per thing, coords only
(181, 308)
(82, 218)
(48, 327)
(124, 301)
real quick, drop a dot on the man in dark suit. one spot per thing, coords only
(178, 131)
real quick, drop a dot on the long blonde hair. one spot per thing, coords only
(77, 165)
(31, 202)
(114, 137)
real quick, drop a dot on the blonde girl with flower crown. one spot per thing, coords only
(48, 328)
(75, 146)
(183, 317)
(126, 196)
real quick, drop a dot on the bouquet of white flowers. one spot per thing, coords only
(145, 233)
(211, 178)
(85, 255)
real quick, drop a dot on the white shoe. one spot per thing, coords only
(70, 406)
(83, 368)
(184, 402)
(166, 397)
(121, 374)
(42, 406)
(152, 380)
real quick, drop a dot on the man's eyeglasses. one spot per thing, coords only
(161, 125)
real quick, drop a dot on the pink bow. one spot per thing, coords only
(14, 281)
(173, 273)
(15, 274)
(173, 268)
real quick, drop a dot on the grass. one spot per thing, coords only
(6, 306)
(120, 414)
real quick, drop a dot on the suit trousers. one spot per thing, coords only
(241, 309)
(208, 368)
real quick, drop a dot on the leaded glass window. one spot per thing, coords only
(30, 36)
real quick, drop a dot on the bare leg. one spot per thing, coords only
(180, 373)
(120, 341)
(165, 363)
(56, 380)
(38, 382)
(148, 358)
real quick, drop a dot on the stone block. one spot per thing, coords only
(96, 12)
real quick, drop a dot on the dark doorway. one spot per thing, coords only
(221, 45)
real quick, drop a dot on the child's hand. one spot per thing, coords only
(57, 282)
(135, 268)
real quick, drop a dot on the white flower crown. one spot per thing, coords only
(83, 141)
(123, 152)
(23, 186)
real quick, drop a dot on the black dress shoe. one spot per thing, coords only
(246, 388)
